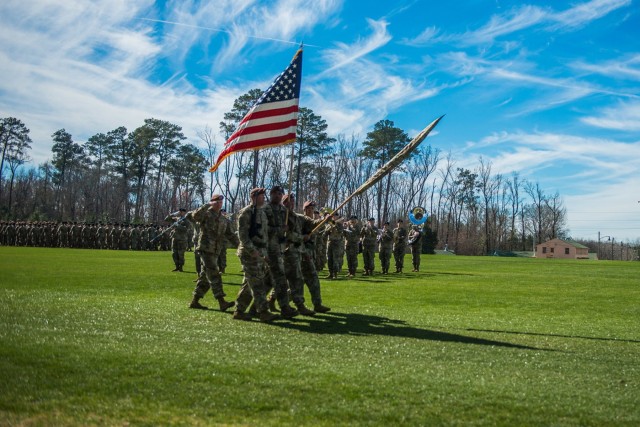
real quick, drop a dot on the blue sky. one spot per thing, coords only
(548, 89)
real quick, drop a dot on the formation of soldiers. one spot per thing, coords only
(281, 251)
(66, 234)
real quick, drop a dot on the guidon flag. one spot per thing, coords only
(273, 119)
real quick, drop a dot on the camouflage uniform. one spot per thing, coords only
(415, 242)
(63, 235)
(307, 264)
(179, 236)
(369, 236)
(101, 234)
(214, 228)
(352, 244)
(399, 246)
(277, 277)
(335, 248)
(385, 245)
(321, 249)
(196, 252)
(124, 238)
(135, 238)
(252, 251)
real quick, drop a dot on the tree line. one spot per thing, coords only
(139, 176)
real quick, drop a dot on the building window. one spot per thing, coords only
(552, 250)
(566, 251)
(544, 249)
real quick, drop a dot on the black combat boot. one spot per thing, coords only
(224, 305)
(302, 309)
(195, 303)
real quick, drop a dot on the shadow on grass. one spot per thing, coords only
(364, 325)
(552, 335)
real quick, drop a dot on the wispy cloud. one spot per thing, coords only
(524, 152)
(627, 68)
(625, 117)
(583, 13)
(344, 54)
(245, 21)
(521, 18)
(87, 69)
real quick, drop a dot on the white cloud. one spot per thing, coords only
(583, 13)
(625, 116)
(521, 18)
(75, 65)
(626, 68)
(346, 54)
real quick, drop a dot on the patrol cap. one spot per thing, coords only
(386, 223)
(277, 189)
(257, 191)
(400, 220)
(182, 210)
(308, 204)
(216, 197)
(353, 217)
(371, 219)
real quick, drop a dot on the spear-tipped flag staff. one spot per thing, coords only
(273, 120)
(389, 166)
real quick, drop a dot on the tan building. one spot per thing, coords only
(558, 248)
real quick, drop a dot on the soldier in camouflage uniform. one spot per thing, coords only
(352, 244)
(196, 252)
(307, 265)
(214, 229)
(222, 259)
(63, 235)
(179, 237)
(276, 276)
(335, 245)
(292, 256)
(399, 245)
(252, 251)
(369, 236)
(385, 246)
(135, 238)
(415, 242)
(321, 244)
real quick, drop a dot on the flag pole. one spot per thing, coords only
(293, 146)
(388, 167)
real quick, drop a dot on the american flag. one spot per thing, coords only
(273, 119)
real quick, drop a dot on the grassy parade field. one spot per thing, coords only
(105, 338)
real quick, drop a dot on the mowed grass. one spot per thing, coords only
(106, 338)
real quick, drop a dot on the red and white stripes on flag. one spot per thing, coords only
(273, 119)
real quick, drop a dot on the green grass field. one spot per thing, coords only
(106, 338)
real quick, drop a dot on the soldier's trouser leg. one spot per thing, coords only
(368, 257)
(180, 258)
(310, 276)
(398, 255)
(294, 276)
(222, 259)
(211, 273)
(198, 262)
(255, 276)
(415, 255)
(352, 259)
(277, 278)
(244, 298)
